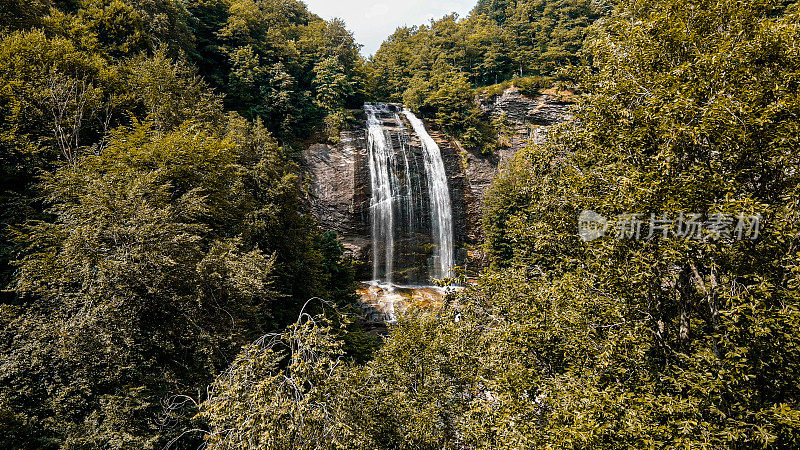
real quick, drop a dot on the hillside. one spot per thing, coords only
(587, 212)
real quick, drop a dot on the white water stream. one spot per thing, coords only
(441, 208)
(397, 205)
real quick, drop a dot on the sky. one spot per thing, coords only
(372, 21)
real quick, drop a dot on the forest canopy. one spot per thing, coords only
(667, 342)
(439, 68)
(152, 211)
(163, 286)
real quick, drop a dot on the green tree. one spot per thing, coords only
(274, 394)
(56, 100)
(331, 84)
(154, 232)
(698, 350)
(134, 294)
(274, 49)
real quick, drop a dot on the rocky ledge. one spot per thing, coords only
(383, 304)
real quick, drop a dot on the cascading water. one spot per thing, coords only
(399, 217)
(441, 210)
(382, 202)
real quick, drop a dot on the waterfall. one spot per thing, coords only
(441, 209)
(404, 225)
(381, 155)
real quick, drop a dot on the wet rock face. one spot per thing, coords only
(338, 178)
(457, 186)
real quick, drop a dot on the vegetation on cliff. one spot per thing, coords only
(434, 68)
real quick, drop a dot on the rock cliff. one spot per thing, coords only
(338, 179)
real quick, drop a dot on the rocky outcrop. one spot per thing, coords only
(337, 180)
(528, 120)
(544, 110)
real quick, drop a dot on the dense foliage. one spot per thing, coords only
(156, 257)
(151, 224)
(277, 61)
(666, 342)
(434, 68)
(499, 40)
